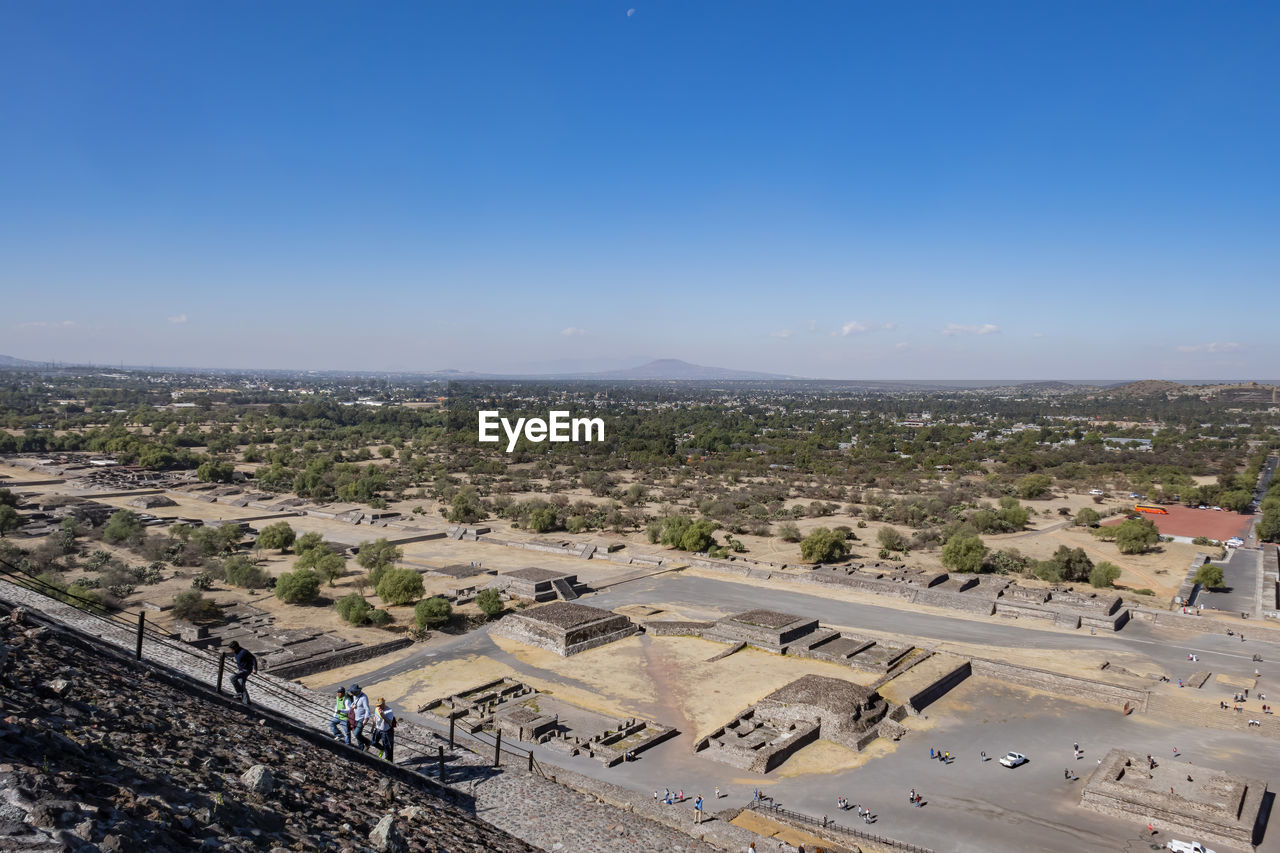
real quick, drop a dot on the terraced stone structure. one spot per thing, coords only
(1178, 797)
(565, 628)
(521, 712)
(765, 735)
(788, 634)
(540, 584)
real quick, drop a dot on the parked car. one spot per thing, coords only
(1187, 847)
(1013, 759)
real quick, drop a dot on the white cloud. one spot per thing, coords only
(573, 332)
(41, 324)
(781, 333)
(1226, 346)
(853, 327)
(630, 12)
(962, 329)
(902, 346)
(181, 318)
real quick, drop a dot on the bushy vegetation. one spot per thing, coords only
(301, 586)
(399, 586)
(432, 612)
(489, 602)
(192, 606)
(354, 609)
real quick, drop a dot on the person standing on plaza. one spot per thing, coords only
(697, 809)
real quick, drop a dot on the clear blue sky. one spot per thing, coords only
(850, 189)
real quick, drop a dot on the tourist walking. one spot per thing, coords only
(246, 665)
(360, 708)
(384, 730)
(341, 713)
(697, 809)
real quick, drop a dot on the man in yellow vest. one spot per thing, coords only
(341, 712)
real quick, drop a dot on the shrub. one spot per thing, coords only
(194, 607)
(301, 586)
(125, 525)
(1104, 575)
(353, 609)
(891, 539)
(307, 541)
(1087, 517)
(379, 552)
(380, 619)
(240, 571)
(202, 581)
(1144, 591)
(400, 586)
(431, 612)
(964, 553)
(1136, 535)
(279, 535)
(824, 545)
(489, 602)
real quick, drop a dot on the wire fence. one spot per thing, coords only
(766, 805)
(412, 747)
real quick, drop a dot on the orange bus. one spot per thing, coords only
(1154, 510)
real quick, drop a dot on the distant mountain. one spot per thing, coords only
(1146, 388)
(10, 361)
(675, 369)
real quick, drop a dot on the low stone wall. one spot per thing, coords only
(930, 693)
(342, 657)
(1065, 685)
(667, 628)
(969, 602)
(603, 640)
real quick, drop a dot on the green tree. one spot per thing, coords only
(964, 553)
(400, 586)
(307, 542)
(279, 535)
(543, 520)
(1087, 517)
(824, 545)
(1072, 564)
(379, 552)
(1032, 486)
(1104, 575)
(194, 607)
(1209, 576)
(301, 586)
(432, 612)
(215, 472)
(466, 507)
(489, 602)
(891, 539)
(1136, 535)
(240, 571)
(328, 565)
(1269, 525)
(353, 608)
(1012, 515)
(1236, 500)
(9, 519)
(124, 525)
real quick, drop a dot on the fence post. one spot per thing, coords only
(222, 664)
(142, 618)
(531, 761)
(453, 721)
(497, 750)
(440, 759)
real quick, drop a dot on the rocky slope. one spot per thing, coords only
(96, 755)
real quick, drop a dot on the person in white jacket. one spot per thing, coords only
(360, 707)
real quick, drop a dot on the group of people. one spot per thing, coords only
(944, 757)
(351, 709)
(351, 713)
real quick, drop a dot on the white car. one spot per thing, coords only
(1187, 847)
(1013, 759)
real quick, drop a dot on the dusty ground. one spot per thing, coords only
(662, 678)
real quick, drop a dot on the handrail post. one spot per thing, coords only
(453, 721)
(222, 664)
(440, 759)
(497, 750)
(531, 761)
(142, 618)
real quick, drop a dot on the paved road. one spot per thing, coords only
(1240, 573)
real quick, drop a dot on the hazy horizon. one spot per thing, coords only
(827, 190)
